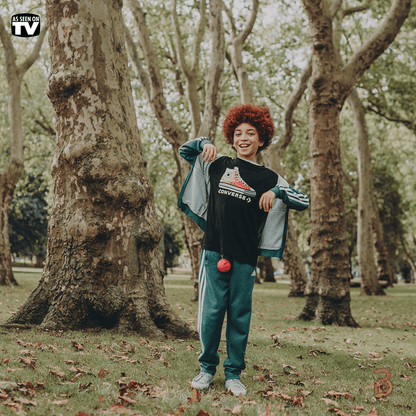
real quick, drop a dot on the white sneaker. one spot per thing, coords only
(235, 386)
(202, 380)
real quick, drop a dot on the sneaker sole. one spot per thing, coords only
(199, 387)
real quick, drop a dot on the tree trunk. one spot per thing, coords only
(328, 292)
(7, 186)
(297, 274)
(268, 270)
(365, 243)
(14, 168)
(102, 268)
(153, 85)
(383, 266)
(39, 261)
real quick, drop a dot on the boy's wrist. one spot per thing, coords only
(204, 141)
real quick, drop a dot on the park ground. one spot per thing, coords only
(293, 367)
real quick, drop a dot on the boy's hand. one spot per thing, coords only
(266, 201)
(209, 153)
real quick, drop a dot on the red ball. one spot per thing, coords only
(223, 265)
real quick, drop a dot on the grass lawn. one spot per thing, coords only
(293, 367)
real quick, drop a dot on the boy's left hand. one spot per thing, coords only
(266, 201)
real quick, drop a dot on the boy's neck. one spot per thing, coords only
(248, 160)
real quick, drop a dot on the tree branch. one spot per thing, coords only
(250, 24)
(290, 108)
(141, 73)
(179, 46)
(31, 59)
(175, 134)
(200, 34)
(410, 124)
(212, 108)
(8, 51)
(384, 35)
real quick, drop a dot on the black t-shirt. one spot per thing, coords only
(234, 220)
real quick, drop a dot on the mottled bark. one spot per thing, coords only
(14, 168)
(102, 267)
(328, 292)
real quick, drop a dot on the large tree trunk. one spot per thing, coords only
(365, 243)
(14, 168)
(102, 267)
(327, 294)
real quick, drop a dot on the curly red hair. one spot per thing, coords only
(253, 114)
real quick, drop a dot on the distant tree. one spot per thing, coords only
(28, 220)
(172, 246)
(14, 168)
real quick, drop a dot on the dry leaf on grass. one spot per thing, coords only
(25, 401)
(127, 399)
(77, 346)
(203, 413)
(103, 373)
(60, 402)
(339, 394)
(329, 401)
(196, 397)
(268, 411)
(237, 409)
(338, 412)
(373, 412)
(57, 373)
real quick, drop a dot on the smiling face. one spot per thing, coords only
(246, 141)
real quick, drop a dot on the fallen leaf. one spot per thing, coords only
(127, 399)
(373, 412)
(268, 410)
(203, 413)
(339, 394)
(57, 373)
(338, 412)
(196, 397)
(298, 400)
(25, 401)
(120, 409)
(329, 401)
(259, 378)
(103, 373)
(249, 401)
(60, 402)
(237, 409)
(358, 409)
(77, 346)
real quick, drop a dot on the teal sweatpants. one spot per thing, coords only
(219, 293)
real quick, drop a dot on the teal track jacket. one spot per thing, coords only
(194, 196)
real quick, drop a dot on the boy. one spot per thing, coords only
(243, 209)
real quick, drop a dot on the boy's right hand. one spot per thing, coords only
(209, 153)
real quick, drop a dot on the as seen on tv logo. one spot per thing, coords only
(25, 25)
